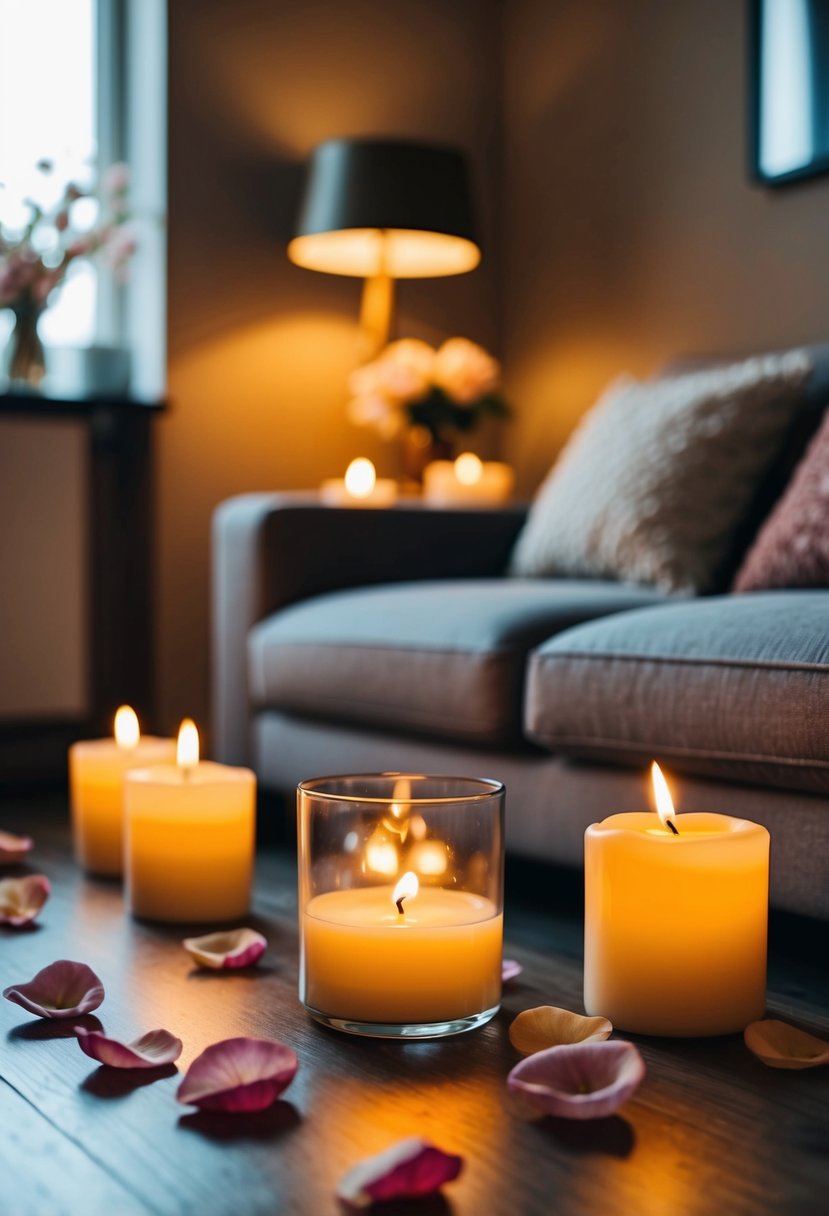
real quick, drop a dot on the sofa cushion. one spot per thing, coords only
(440, 658)
(736, 687)
(654, 482)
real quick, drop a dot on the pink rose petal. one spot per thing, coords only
(408, 1169)
(13, 848)
(229, 949)
(62, 990)
(579, 1080)
(510, 970)
(238, 1075)
(22, 898)
(153, 1050)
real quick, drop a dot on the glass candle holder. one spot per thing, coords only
(401, 902)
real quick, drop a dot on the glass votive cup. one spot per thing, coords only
(401, 902)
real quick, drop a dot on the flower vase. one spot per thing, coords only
(26, 364)
(420, 448)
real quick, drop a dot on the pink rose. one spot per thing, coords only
(405, 369)
(465, 371)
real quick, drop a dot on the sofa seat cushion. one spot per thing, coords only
(439, 658)
(734, 687)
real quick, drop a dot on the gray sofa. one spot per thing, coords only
(355, 640)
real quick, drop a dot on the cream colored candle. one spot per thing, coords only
(467, 481)
(436, 960)
(360, 487)
(675, 921)
(96, 789)
(189, 838)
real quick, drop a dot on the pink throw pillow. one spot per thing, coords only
(792, 548)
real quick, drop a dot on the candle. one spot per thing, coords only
(467, 481)
(96, 781)
(359, 488)
(189, 837)
(676, 912)
(433, 957)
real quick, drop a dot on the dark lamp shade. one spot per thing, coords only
(375, 207)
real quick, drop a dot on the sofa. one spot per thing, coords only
(348, 640)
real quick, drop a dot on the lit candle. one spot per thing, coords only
(399, 954)
(189, 837)
(676, 913)
(467, 481)
(96, 781)
(360, 487)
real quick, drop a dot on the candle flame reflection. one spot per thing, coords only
(187, 748)
(381, 855)
(407, 888)
(664, 802)
(127, 732)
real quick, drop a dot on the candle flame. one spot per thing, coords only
(360, 477)
(468, 469)
(407, 888)
(187, 749)
(664, 802)
(127, 732)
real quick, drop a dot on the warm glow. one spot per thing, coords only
(468, 469)
(127, 732)
(187, 750)
(381, 855)
(397, 252)
(407, 888)
(429, 856)
(664, 802)
(360, 477)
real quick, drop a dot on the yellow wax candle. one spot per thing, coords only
(360, 487)
(676, 922)
(437, 960)
(96, 789)
(190, 832)
(467, 482)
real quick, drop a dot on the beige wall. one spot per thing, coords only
(259, 349)
(630, 230)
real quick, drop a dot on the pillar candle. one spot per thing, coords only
(676, 910)
(190, 831)
(359, 488)
(467, 482)
(96, 787)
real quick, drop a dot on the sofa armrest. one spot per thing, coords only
(271, 550)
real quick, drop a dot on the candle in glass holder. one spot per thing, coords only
(190, 831)
(96, 789)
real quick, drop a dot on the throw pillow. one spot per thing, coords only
(792, 548)
(653, 482)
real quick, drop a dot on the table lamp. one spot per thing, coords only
(383, 210)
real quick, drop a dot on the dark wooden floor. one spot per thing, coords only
(710, 1132)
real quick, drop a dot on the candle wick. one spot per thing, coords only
(399, 903)
(673, 827)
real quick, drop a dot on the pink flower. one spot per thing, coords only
(465, 371)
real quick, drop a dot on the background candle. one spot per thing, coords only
(675, 924)
(467, 481)
(189, 838)
(96, 787)
(360, 487)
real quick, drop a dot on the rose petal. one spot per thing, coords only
(22, 898)
(62, 990)
(232, 948)
(547, 1026)
(780, 1045)
(153, 1050)
(407, 1170)
(510, 970)
(238, 1075)
(13, 848)
(579, 1080)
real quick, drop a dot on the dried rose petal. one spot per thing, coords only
(238, 1075)
(579, 1080)
(231, 948)
(13, 848)
(62, 990)
(22, 898)
(407, 1170)
(153, 1050)
(510, 970)
(547, 1026)
(780, 1045)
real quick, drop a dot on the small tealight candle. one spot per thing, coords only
(360, 487)
(96, 789)
(189, 837)
(467, 481)
(676, 910)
